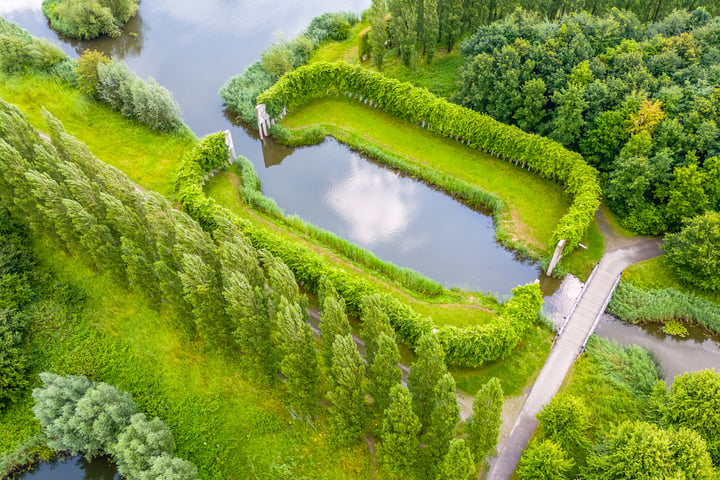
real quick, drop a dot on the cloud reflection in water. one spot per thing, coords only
(12, 6)
(376, 203)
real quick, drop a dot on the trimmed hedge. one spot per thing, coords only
(466, 347)
(479, 131)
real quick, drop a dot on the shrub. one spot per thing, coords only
(88, 19)
(146, 102)
(331, 26)
(20, 52)
(87, 70)
(240, 92)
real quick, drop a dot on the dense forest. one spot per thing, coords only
(639, 101)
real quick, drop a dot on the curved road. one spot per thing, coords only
(580, 325)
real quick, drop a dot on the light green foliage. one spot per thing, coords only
(139, 444)
(694, 402)
(374, 323)
(544, 460)
(88, 19)
(424, 374)
(483, 426)
(444, 417)
(400, 430)
(300, 361)
(686, 195)
(331, 26)
(383, 373)
(348, 412)
(334, 322)
(458, 463)
(20, 52)
(87, 70)
(146, 102)
(165, 467)
(639, 451)
(55, 408)
(565, 420)
(693, 254)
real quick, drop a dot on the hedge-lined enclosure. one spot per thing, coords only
(478, 131)
(469, 347)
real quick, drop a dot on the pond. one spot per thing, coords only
(75, 468)
(193, 48)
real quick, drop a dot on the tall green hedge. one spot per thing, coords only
(469, 347)
(419, 106)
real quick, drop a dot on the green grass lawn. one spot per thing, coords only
(654, 274)
(535, 205)
(147, 157)
(229, 426)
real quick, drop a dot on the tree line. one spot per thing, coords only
(639, 101)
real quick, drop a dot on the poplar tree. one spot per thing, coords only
(378, 32)
(431, 29)
(333, 322)
(300, 363)
(383, 372)
(424, 375)
(400, 431)
(444, 417)
(403, 23)
(450, 19)
(458, 463)
(348, 412)
(374, 322)
(483, 426)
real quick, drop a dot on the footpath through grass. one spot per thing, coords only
(535, 205)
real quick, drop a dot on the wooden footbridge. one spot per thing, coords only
(569, 344)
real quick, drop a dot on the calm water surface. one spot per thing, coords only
(76, 468)
(193, 47)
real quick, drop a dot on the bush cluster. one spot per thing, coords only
(147, 102)
(419, 106)
(20, 52)
(466, 347)
(88, 19)
(95, 418)
(240, 91)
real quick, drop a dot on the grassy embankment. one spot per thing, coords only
(227, 424)
(150, 159)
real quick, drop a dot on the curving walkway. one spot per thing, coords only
(581, 323)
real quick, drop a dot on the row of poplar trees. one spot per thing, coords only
(232, 296)
(418, 27)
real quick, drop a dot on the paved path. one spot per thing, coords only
(566, 349)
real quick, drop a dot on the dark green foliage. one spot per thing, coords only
(20, 52)
(88, 19)
(375, 322)
(458, 464)
(693, 254)
(424, 375)
(348, 412)
(378, 34)
(544, 460)
(483, 427)
(635, 305)
(403, 28)
(334, 322)
(400, 431)
(638, 450)
(637, 101)
(479, 131)
(146, 102)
